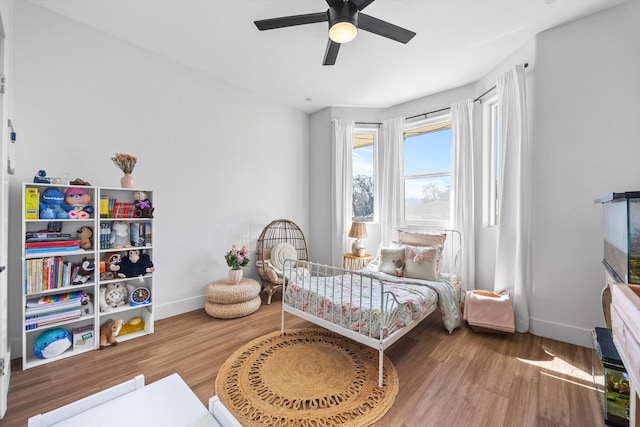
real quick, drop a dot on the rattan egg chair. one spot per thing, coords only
(278, 231)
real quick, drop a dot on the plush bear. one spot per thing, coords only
(119, 235)
(399, 263)
(51, 204)
(85, 235)
(109, 331)
(77, 201)
(85, 271)
(142, 205)
(133, 264)
(86, 303)
(113, 295)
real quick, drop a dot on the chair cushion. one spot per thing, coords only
(282, 252)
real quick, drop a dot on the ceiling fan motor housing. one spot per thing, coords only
(343, 12)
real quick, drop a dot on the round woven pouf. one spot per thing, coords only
(226, 300)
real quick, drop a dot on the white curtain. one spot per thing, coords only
(341, 188)
(462, 186)
(514, 195)
(389, 179)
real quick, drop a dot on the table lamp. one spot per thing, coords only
(358, 231)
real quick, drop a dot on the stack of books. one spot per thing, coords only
(49, 241)
(43, 274)
(51, 309)
(111, 208)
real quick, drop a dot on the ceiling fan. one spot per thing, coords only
(345, 18)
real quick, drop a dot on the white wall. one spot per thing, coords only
(222, 162)
(586, 144)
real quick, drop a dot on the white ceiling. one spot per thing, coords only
(457, 42)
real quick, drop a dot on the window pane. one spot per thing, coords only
(427, 198)
(363, 182)
(428, 153)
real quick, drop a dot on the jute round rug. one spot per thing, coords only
(307, 377)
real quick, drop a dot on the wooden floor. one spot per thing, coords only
(463, 379)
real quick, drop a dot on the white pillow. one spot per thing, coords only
(387, 258)
(421, 262)
(282, 252)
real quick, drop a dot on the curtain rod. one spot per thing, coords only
(479, 98)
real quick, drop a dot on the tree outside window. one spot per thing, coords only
(363, 201)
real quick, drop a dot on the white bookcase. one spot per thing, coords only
(47, 272)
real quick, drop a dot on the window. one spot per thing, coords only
(491, 162)
(363, 168)
(427, 172)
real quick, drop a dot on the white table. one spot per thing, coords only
(167, 402)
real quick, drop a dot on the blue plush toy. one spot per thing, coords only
(51, 205)
(52, 343)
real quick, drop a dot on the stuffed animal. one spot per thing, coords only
(77, 201)
(399, 263)
(133, 264)
(113, 295)
(85, 271)
(52, 343)
(41, 177)
(79, 181)
(85, 235)
(142, 205)
(109, 331)
(109, 259)
(119, 235)
(51, 204)
(86, 303)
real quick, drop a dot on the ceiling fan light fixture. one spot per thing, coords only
(343, 32)
(343, 22)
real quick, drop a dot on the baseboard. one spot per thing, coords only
(178, 307)
(560, 332)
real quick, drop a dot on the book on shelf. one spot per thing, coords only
(60, 299)
(43, 274)
(31, 203)
(105, 235)
(104, 206)
(147, 233)
(51, 243)
(31, 251)
(50, 309)
(122, 210)
(44, 235)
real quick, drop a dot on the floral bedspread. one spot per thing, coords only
(357, 302)
(447, 300)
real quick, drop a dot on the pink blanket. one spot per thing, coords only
(489, 310)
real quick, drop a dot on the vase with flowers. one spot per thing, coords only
(126, 163)
(236, 259)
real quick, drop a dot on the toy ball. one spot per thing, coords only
(52, 343)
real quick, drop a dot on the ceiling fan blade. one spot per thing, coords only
(384, 29)
(290, 21)
(331, 53)
(361, 4)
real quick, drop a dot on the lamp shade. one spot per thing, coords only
(358, 230)
(343, 22)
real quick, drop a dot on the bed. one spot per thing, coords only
(374, 306)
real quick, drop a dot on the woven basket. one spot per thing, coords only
(232, 311)
(222, 292)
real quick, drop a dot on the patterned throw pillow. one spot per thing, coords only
(388, 258)
(424, 239)
(421, 262)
